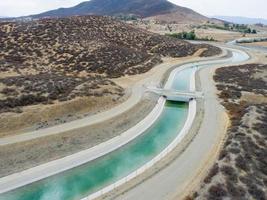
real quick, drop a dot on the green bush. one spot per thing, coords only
(189, 36)
(184, 35)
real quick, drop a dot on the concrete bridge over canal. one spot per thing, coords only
(176, 95)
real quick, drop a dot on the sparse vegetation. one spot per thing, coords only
(189, 36)
(127, 17)
(240, 171)
(242, 28)
(45, 88)
(184, 35)
(49, 148)
(61, 59)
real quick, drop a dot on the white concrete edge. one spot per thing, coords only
(43, 171)
(167, 150)
(189, 121)
(34, 174)
(73, 125)
(25, 177)
(192, 110)
(79, 123)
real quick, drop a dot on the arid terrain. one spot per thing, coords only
(206, 29)
(240, 171)
(50, 148)
(256, 44)
(139, 99)
(57, 70)
(57, 61)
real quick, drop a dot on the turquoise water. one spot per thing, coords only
(182, 79)
(91, 177)
(86, 179)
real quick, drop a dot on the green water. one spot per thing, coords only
(91, 177)
(86, 179)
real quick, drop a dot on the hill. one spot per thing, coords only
(56, 70)
(160, 9)
(46, 60)
(242, 20)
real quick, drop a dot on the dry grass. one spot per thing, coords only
(26, 155)
(62, 112)
(257, 44)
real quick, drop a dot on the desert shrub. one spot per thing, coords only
(261, 142)
(184, 35)
(256, 192)
(247, 156)
(188, 198)
(223, 154)
(220, 86)
(248, 180)
(217, 192)
(9, 91)
(261, 155)
(234, 128)
(23, 100)
(234, 190)
(229, 172)
(261, 127)
(195, 195)
(234, 150)
(265, 181)
(241, 163)
(247, 148)
(89, 44)
(239, 136)
(252, 147)
(213, 171)
(245, 180)
(262, 166)
(225, 94)
(48, 87)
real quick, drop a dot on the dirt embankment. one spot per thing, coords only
(240, 171)
(29, 154)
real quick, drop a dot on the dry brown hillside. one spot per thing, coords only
(162, 10)
(59, 59)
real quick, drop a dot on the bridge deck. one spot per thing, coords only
(176, 95)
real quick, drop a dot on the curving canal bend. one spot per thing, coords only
(89, 178)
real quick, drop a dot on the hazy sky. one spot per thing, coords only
(246, 8)
(249, 8)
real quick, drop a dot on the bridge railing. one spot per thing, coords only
(176, 95)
